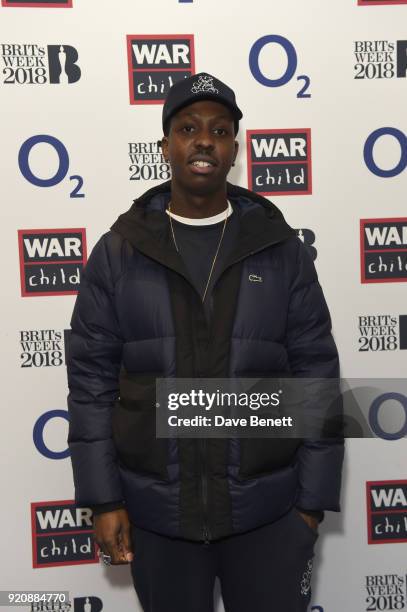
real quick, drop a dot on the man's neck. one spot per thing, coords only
(195, 206)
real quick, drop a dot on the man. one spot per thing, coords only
(200, 278)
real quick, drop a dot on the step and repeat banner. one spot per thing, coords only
(323, 88)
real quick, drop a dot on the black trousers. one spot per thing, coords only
(267, 569)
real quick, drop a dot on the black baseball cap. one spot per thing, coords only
(202, 86)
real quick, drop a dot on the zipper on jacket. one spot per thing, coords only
(204, 486)
(206, 534)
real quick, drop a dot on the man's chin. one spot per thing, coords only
(202, 185)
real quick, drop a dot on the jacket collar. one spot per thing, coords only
(146, 226)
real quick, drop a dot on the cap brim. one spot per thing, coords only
(234, 109)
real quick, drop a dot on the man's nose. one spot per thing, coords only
(204, 139)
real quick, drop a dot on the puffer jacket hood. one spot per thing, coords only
(146, 227)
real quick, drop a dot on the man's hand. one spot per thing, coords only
(112, 534)
(310, 520)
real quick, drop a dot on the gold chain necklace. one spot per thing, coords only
(217, 250)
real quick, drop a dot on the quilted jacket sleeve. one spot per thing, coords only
(94, 360)
(312, 354)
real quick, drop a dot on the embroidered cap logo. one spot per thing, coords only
(204, 85)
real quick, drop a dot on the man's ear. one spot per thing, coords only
(164, 148)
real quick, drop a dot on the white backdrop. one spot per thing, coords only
(94, 120)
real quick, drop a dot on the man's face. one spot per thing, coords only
(201, 147)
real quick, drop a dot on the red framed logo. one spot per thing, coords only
(279, 161)
(386, 503)
(36, 4)
(156, 62)
(62, 534)
(51, 261)
(380, 2)
(383, 250)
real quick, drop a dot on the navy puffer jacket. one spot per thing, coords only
(137, 317)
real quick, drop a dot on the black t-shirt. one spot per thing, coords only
(197, 246)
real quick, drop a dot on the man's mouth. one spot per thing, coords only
(202, 166)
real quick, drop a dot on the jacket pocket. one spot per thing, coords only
(134, 426)
(314, 533)
(261, 456)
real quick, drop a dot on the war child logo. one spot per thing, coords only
(380, 59)
(382, 332)
(51, 261)
(38, 4)
(147, 162)
(157, 62)
(380, 2)
(62, 534)
(383, 250)
(386, 511)
(33, 64)
(279, 161)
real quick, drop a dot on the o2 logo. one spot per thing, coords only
(292, 63)
(63, 165)
(38, 434)
(368, 152)
(374, 416)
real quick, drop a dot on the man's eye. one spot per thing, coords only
(188, 128)
(220, 131)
